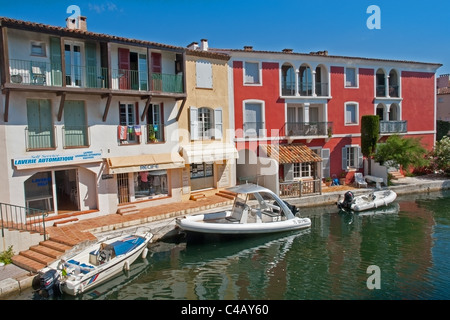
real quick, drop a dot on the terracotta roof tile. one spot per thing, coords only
(39, 27)
(290, 153)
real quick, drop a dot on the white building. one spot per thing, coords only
(88, 120)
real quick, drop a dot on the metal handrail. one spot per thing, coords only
(22, 218)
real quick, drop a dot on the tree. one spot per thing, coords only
(401, 152)
(440, 156)
(370, 132)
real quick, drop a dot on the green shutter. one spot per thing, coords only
(75, 130)
(91, 65)
(40, 127)
(55, 61)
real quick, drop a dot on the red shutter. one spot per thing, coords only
(156, 62)
(124, 68)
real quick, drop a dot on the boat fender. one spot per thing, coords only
(144, 253)
(126, 266)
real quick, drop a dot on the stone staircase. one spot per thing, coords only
(396, 175)
(39, 256)
(226, 194)
(197, 196)
(127, 209)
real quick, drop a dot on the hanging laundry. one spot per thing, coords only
(122, 132)
(137, 130)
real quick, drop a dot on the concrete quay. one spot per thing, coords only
(161, 221)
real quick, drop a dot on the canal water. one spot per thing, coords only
(400, 252)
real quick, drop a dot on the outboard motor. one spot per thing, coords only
(48, 285)
(348, 200)
(291, 207)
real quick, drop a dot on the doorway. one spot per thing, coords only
(66, 183)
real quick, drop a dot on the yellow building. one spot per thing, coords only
(206, 132)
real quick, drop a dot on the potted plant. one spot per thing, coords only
(328, 181)
(342, 177)
(151, 134)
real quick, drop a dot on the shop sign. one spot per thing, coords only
(42, 160)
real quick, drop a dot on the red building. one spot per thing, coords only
(317, 100)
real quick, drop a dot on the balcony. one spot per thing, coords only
(393, 127)
(75, 136)
(305, 89)
(253, 129)
(40, 138)
(28, 72)
(293, 129)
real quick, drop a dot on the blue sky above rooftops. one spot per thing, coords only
(409, 30)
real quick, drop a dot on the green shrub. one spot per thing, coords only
(6, 256)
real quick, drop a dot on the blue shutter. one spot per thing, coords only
(193, 112)
(218, 132)
(344, 158)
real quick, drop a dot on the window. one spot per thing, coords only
(150, 184)
(302, 170)
(205, 123)
(351, 157)
(202, 170)
(253, 119)
(251, 73)
(40, 131)
(38, 49)
(155, 123)
(305, 81)
(73, 64)
(129, 130)
(351, 114)
(351, 78)
(203, 71)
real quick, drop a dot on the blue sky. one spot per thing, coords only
(410, 30)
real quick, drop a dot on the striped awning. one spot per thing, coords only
(289, 153)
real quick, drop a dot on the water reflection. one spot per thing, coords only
(408, 241)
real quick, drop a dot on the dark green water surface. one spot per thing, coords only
(407, 244)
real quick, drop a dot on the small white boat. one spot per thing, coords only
(256, 210)
(364, 202)
(92, 266)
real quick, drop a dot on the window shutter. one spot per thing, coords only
(203, 74)
(124, 67)
(325, 155)
(193, 112)
(55, 61)
(344, 158)
(218, 132)
(91, 64)
(288, 171)
(161, 122)
(360, 158)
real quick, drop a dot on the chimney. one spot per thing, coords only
(287, 50)
(77, 23)
(193, 46)
(204, 45)
(248, 48)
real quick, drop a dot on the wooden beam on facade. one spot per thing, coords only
(6, 110)
(181, 109)
(4, 56)
(108, 103)
(61, 104)
(147, 104)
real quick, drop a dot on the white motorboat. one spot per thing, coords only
(92, 266)
(365, 202)
(256, 210)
